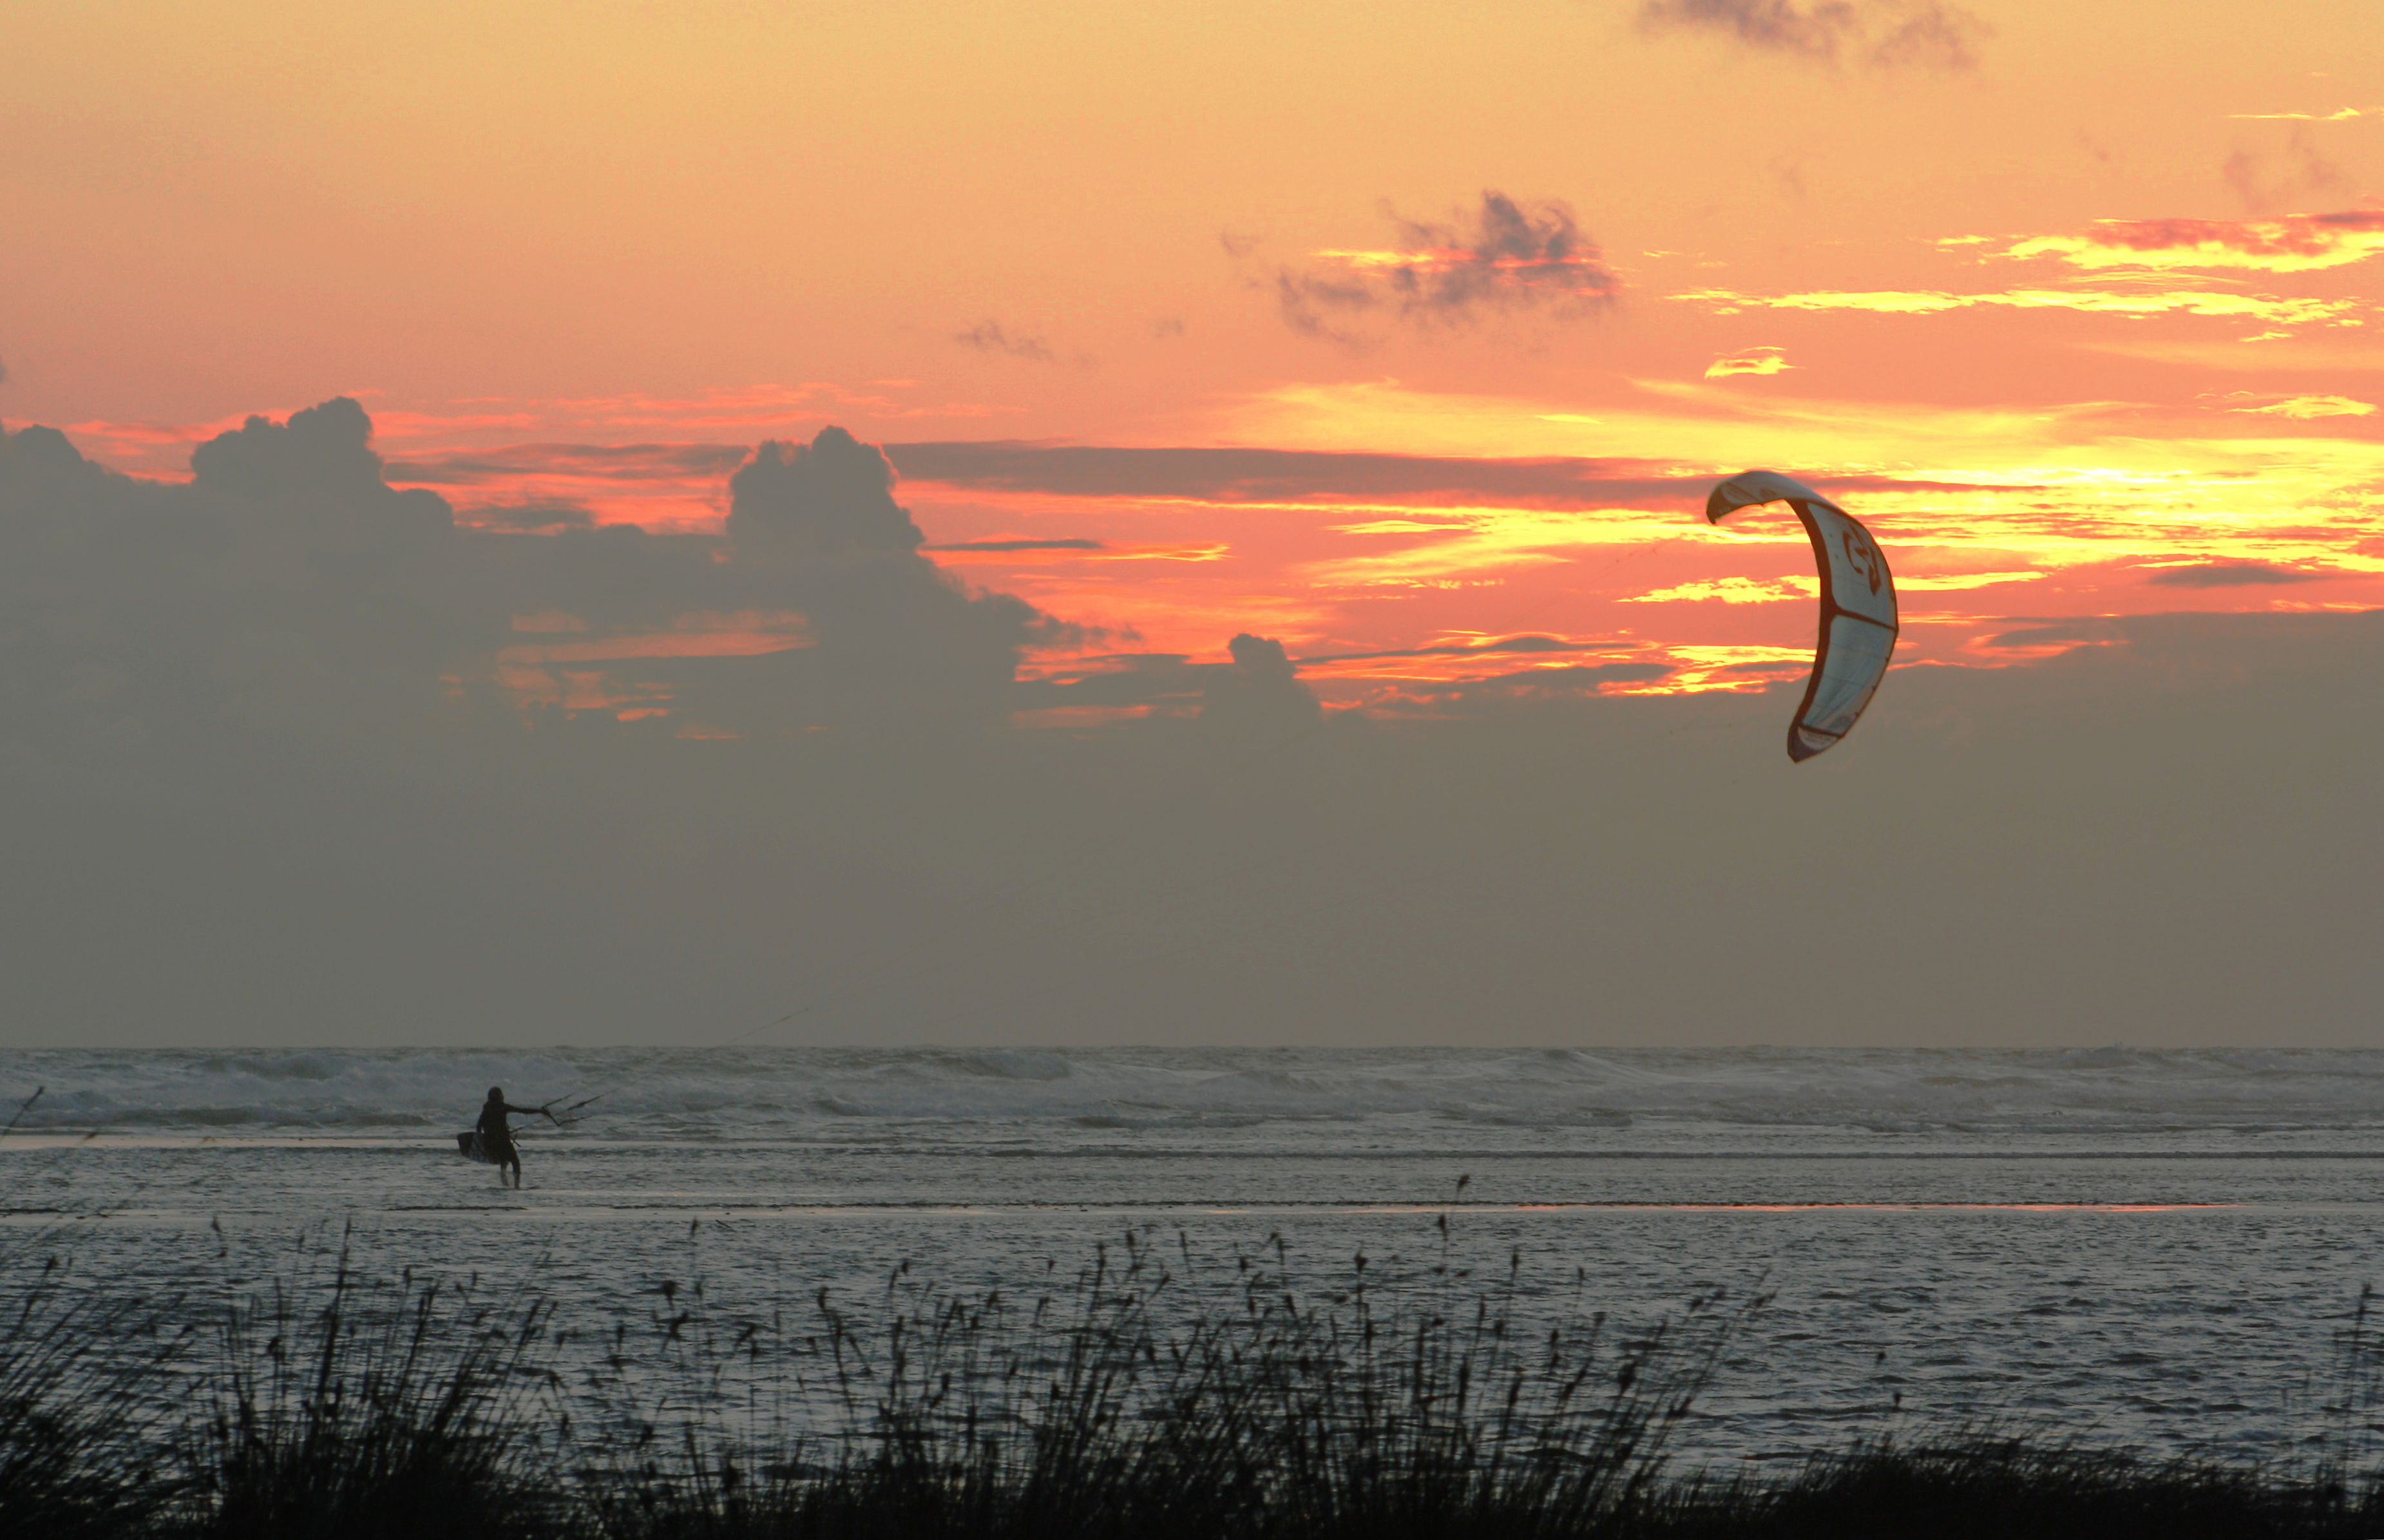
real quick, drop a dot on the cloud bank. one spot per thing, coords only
(1239, 475)
(898, 640)
(2230, 574)
(318, 760)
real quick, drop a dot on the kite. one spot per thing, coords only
(1858, 622)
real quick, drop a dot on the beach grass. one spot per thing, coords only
(1982, 1486)
(1154, 1394)
(374, 1411)
(84, 1446)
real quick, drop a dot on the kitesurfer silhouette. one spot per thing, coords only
(497, 1145)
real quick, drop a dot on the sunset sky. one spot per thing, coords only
(1406, 335)
(2079, 297)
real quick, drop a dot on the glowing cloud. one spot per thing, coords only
(1730, 590)
(1927, 302)
(2298, 408)
(2293, 243)
(2340, 115)
(1755, 360)
(1954, 581)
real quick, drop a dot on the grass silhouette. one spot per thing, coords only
(1155, 1395)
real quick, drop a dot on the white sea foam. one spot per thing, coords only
(935, 1094)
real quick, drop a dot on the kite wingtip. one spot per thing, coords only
(1731, 493)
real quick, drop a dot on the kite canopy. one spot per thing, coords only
(1858, 622)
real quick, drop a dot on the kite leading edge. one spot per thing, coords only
(1859, 620)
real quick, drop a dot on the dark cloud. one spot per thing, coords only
(615, 577)
(1258, 691)
(1927, 35)
(1779, 25)
(614, 462)
(898, 640)
(1503, 256)
(287, 579)
(39, 452)
(531, 516)
(828, 500)
(1018, 546)
(1167, 679)
(991, 337)
(1259, 686)
(1479, 648)
(1280, 475)
(2273, 641)
(282, 750)
(1307, 300)
(1881, 34)
(2059, 633)
(1570, 680)
(284, 595)
(1276, 475)
(321, 454)
(2228, 575)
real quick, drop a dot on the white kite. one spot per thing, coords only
(1858, 623)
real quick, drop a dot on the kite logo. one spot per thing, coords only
(1862, 557)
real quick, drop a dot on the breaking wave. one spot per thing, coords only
(1369, 1095)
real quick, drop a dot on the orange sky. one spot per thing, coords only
(2075, 305)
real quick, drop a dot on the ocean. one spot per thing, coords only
(2162, 1250)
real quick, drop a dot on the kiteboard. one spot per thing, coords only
(469, 1145)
